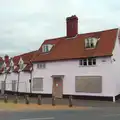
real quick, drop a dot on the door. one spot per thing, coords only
(57, 87)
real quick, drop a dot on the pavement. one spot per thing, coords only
(81, 110)
(28, 107)
(76, 102)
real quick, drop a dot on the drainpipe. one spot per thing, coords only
(114, 99)
(30, 81)
(5, 83)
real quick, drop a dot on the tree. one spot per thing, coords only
(21, 67)
(5, 78)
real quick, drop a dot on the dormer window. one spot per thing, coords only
(11, 65)
(91, 42)
(21, 64)
(46, 48)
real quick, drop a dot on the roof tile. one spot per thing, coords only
(74, 48)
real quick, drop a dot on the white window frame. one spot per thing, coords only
(41, 65)
(44, 48)
(91, 42)
(82, 61)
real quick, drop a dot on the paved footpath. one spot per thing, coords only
(83, 110)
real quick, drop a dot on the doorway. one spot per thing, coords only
(57, 90)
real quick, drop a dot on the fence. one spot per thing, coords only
(12, 86)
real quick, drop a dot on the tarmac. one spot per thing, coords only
(88, 114)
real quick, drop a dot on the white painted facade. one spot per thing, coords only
(24, 85)
(10, 77)
(2, 77)
(109, 70)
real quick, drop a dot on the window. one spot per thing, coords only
(81, 62)
(88, 84)
(94, 61)
(87, 62)
(87, 43)
(91, 42)
(38, 84)
(45, 48)
(41, 65)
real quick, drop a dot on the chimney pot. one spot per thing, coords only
(6, 58)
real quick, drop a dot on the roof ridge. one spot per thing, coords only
(99, 31)
(54, 38)
(24, 53)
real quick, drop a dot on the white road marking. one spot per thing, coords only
(110, 115)
(50, 118)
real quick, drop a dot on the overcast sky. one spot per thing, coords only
(25, 24)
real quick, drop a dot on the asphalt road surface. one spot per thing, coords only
(109, 113)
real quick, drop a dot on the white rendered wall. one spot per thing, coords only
(71, 69)
(10, 77)
(1, 79)
(24, 85)
(116, 72)
(23, 81)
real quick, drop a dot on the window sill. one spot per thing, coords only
(88, 66)
(90, 48)
(41, 68)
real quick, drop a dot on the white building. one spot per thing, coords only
(78, 64)
(16, 73)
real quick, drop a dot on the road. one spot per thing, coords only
(108, 113)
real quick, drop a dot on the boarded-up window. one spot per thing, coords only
(88, 84)
(37, 84)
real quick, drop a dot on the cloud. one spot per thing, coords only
(25, 24)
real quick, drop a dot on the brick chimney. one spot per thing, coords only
(72, 26)
(6, 58)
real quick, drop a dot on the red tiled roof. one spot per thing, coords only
(16, 69)
(1, 59)
(28, 68)
(26, 57)
(16, 60)
(8, 71)
(74, 48)
(1, 70)
(50, 41)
